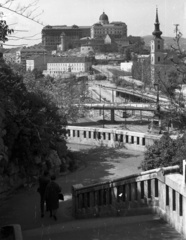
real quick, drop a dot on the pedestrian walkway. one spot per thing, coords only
(143, 227)
(100, 164)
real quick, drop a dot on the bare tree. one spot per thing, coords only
(30, 10)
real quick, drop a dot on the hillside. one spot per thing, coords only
(168, 41)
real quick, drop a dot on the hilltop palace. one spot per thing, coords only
(71, 36)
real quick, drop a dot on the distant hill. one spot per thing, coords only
(168, 41)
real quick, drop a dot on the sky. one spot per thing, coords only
(139, 15)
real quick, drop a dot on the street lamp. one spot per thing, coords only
(103, 115)
(100, 92)
(112, 96)
(156, 86)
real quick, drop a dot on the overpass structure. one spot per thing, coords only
(133, 95)
(141, 107)
(127, 93)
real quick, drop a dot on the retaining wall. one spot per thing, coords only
(110, 137)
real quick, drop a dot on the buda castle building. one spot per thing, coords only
(70, 36)
(103, 27)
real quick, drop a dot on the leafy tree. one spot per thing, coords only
(67, 94)
(17, 68)
(136, 44)
(32, 122)
(165, 152)
(4, 31)
(37, 73)
(127, 54)
(141, 70)
(100, 77)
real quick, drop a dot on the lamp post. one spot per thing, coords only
(103, 115)
(156, 86)
(100, 92)
(112, 96)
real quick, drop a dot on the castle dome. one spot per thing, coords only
(103, 18)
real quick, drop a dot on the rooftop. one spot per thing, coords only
(60, 27)
(68, 59)
(32, 49)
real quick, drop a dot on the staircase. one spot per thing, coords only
(142, 227)
(158, 191)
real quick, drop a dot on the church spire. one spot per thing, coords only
(157, 33)
(157, 20)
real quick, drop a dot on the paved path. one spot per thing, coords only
(120, 228)
(99, 164)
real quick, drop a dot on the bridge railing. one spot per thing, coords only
(161, 191)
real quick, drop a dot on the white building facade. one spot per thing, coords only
(30, 65)
(126, 66)
(60, 65)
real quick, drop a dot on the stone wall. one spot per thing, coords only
(110, 137)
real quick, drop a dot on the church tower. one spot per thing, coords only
(157, 48)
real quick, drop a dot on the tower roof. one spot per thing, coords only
(157, 33)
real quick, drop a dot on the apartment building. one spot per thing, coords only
(57, 66)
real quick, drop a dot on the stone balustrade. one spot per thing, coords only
(110, 137)
(161, 191)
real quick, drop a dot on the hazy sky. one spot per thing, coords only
(139, 15)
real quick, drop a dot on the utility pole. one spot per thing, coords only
(100, 92)
(112, 96)
(125, 118)
(156, 86)
(176, 28)
(103, 116)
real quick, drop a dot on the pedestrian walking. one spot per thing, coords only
(52, 197)
(43, 182)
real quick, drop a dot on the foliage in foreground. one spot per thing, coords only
(31, 124)
(165, 152)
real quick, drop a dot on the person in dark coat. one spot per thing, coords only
(52, 197)
(43, 182)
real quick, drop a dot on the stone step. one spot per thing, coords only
(138, 227)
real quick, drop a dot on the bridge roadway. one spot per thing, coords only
(133, 92)
(126, 106)
(121, 106)
(145, 96)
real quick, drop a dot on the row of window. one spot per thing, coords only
(107, 31)
(64, 64)
(153, 47)
(159, 59)
(66, 70)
